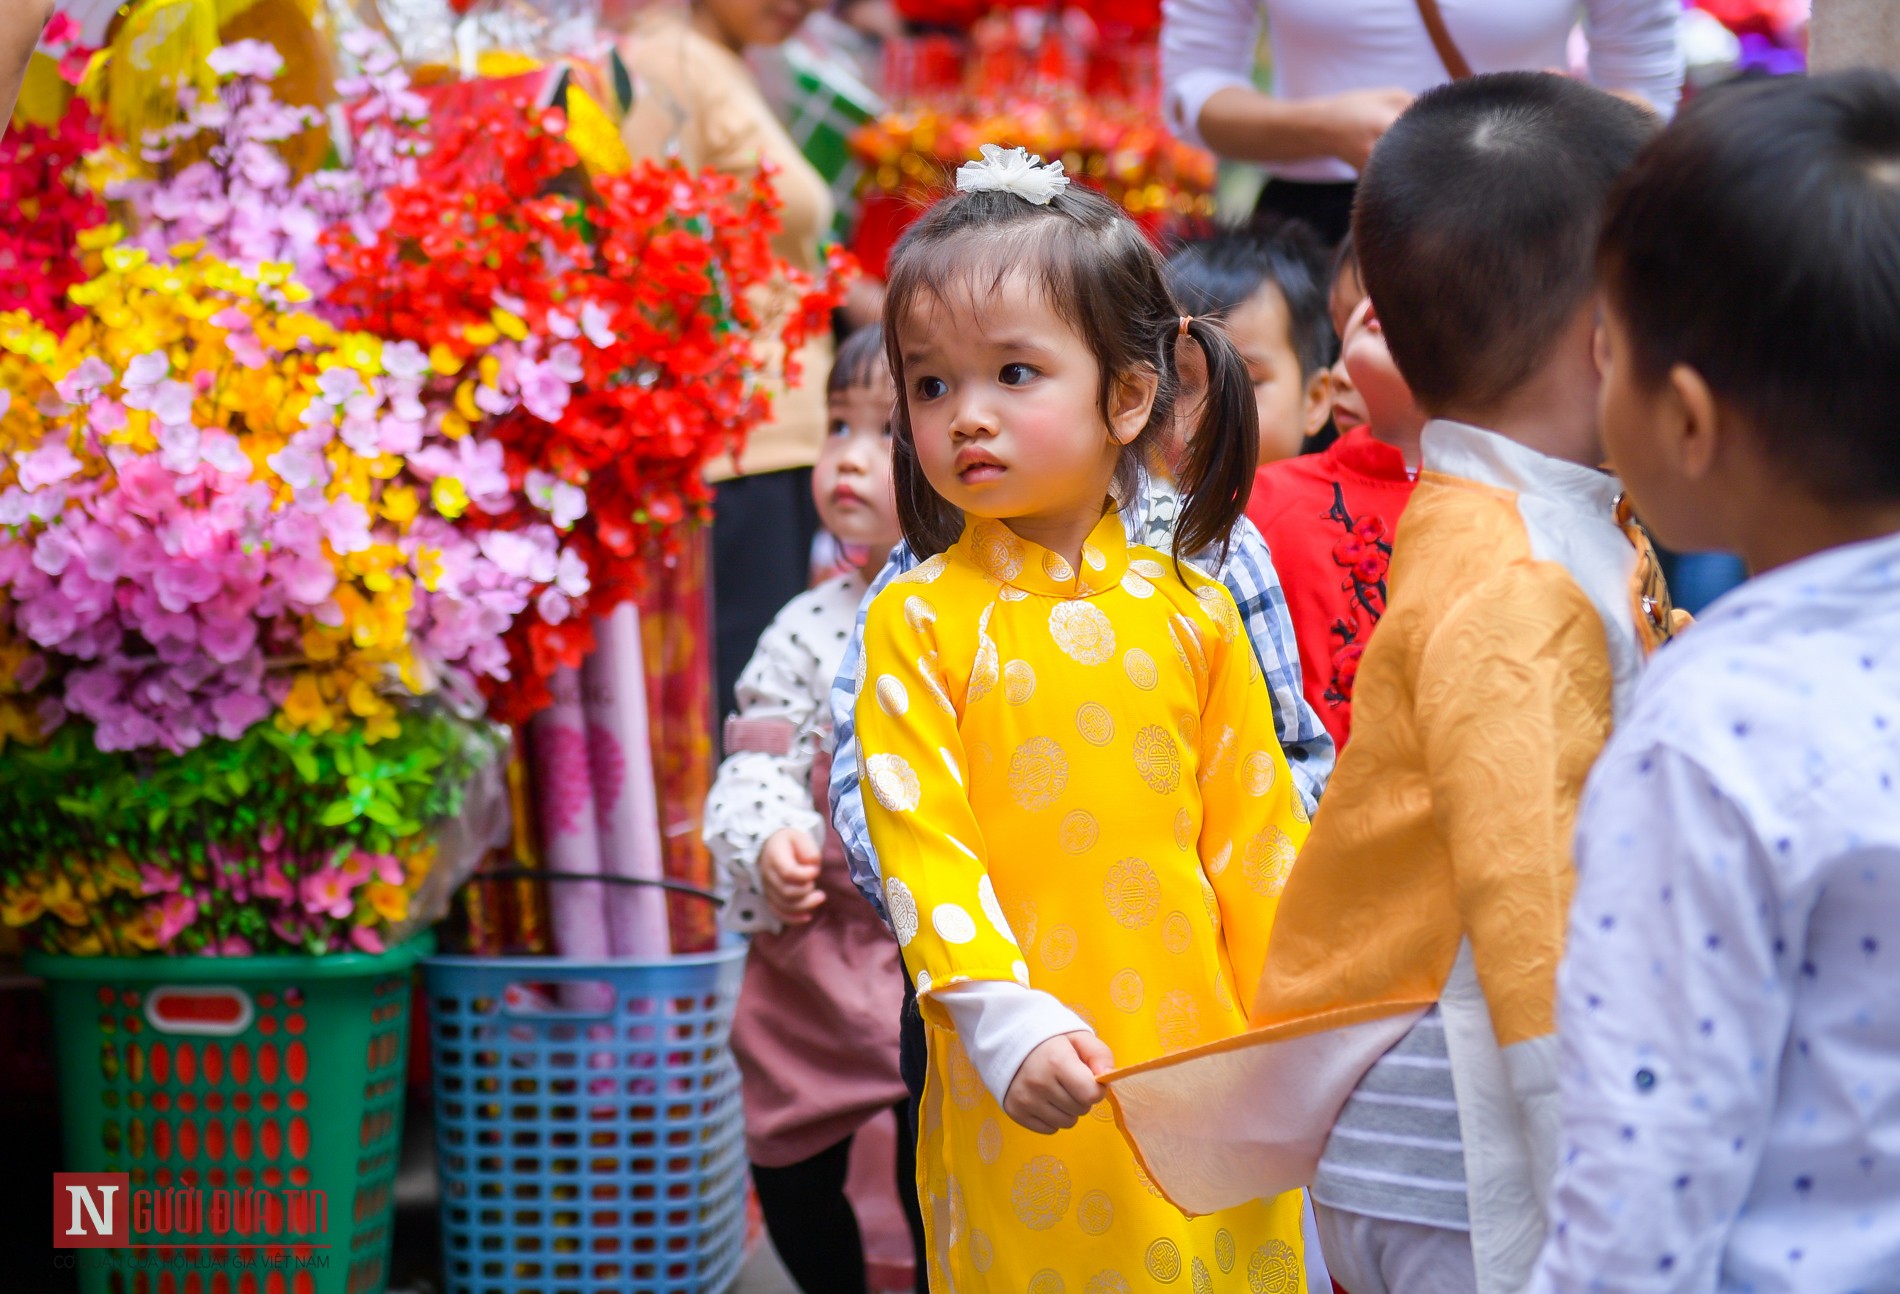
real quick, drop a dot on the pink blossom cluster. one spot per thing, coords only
(308, 900)
(172, 589)
(242, 199)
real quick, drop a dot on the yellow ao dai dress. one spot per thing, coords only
(1075, 784)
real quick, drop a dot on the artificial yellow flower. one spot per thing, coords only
(390, 902)
(304, 707)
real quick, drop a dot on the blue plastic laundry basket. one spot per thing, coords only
(589, 1132)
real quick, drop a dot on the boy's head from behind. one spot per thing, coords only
(1476, 226)
(1268, 286)
(1751, 267)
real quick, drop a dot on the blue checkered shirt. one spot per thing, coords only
(1248, 574)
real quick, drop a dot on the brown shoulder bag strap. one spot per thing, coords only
(1448, 52)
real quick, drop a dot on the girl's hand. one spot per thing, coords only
(1056, 1084)
(788, 873)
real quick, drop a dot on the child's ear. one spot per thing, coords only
(1131, 403)
(1698, 428)
(1319, 401)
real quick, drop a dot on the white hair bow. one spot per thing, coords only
(1013, 170)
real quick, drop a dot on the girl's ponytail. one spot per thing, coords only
(1222, 449)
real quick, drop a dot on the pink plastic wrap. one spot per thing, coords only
(614, 697)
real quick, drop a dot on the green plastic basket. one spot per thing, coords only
(244, 1075)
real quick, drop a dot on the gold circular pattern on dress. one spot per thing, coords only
(1059, 947)
(958, 1216)
(919, 614)
(952, 924)
(932, 674)
(892, 699)
(1203, 1281)
(1300, 811)
(1022, 919)
(1183, 829)
(1095, 1212)
(1078, 832)
(1177, 933)
(1148, 567)
(1268, 862)
(1190, 729)
(996, 550)
(1038, 772)
(1095, 723)
(1223, 751)
(1040, 1194)
(1257, 773)
(1224, 1249)
(1220, 608)
(1057, 567)
(984, 670)
(1211, 901)
(1109, 1281)
(1010, 593)
(1187, 642)
(1044, 1282)
(989, 1141)
(1082, 631)
(1223, 994)
(1019, 681)
(1132, 892)
(1141, 669)
(926, 572)
(982, 1252)
(1158, 760)
(1177, 1020)
(1135, 584)
(1163, 1261)
(903, 910)
(1126, 990)
(1093, 559)
(1222, 856)
(966, 1085)
(893, 782)
(1273, 1269)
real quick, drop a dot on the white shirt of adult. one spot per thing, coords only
(1327, 47)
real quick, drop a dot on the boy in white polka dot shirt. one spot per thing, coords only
(1729, 1029)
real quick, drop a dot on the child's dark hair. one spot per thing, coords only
(1216, 275)
(1106, 280)
(860, 360)
(1757, 241)
(1476, 225)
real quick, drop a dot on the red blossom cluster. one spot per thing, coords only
(46, 202)
(505, 241)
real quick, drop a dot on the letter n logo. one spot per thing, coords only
(91, 1210)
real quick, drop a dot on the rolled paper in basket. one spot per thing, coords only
(614, 695)
(570, 840)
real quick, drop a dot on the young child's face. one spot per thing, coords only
(1292, 406)
(852, 480)
(1391, 415)
(1349, 408)
(1003, 407)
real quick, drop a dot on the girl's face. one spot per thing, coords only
(1004, 408)
(852, 480)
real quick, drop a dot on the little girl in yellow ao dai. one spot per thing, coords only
(1082, 810)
